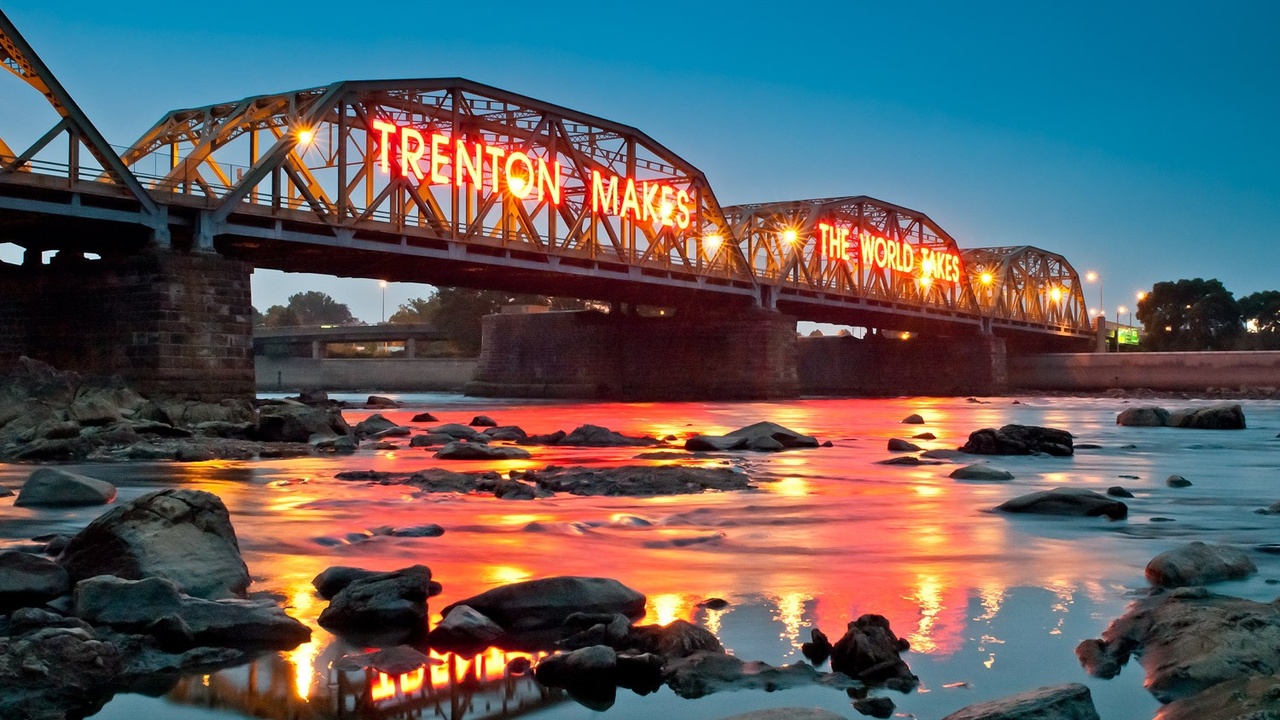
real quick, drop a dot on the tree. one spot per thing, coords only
(416, 310)
(1189, 315)
(316, 308)
(281, 316)
(1261, 314)
(457, 312)
(258, 318)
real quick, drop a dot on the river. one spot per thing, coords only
(991, 604)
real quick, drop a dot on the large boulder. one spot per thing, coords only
(155, 606)
(1057, 702)
(871, 653)
(1189, 639)
(27, 579)
(761, 436)
(295, 422)
(545, 603)
(52, 673)
(703, 673)
(1246, 698)
(1019, 440)
(51, 487)
(1149, 416)
(1215, 417)
(181, 535)
(481, 451)
(677, 639)
(93, 410)
(979, 471)
(1199, 564)
(1066, 501)
(334, 580)
(596, 436)
(462, 628)
(373, 425)
(393, 602)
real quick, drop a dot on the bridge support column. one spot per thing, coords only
(169, 323)
(745, 355)
(877, 365)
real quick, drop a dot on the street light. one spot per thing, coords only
(383, 283)
(1123, 309)
(1092, 276)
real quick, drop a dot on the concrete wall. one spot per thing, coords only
(1157, 371)
(747, 355)
(961, 365)
(338, 374)
(170, 323)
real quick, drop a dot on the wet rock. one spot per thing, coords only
(981, 472)
(50, 487)
(910, 460)
(787, 713)
(191, 453)
(871, 653)
(1066, 501)
(93, 410)
(223, 429)
(54, 672)
(586, 629)
(876, 707)
(161, 429)
(516, 490)
(424, 418)
(373, 425)
(1177, 481)
(1272, 509)
(548, 602)
(678, 639)
(430, 439)
(638, 480)
(703, 673)
(900, 445)
(1189, 639)
(378, 401)
(590, 666)
(155, 606)
(394, 431)
(27, 579)
(1057, 702)
(480, 451)
(1246, 698)
(396, 660)
(383, 602)
(924, 436)
(944, 454)
(1215, 417)
(483, 421)
(510, 433)
(913, 419)
(1117, 491)
(1148, 416)
(1087, 446)
(333, 580)
(519, 665)
(440, 480)
(5, 492)
(1019, 440)
(463, 629)
(339, 444)
(182, 535)
(454, 430)
(1199, 564)
(714, 603)
(313, 396)
(762, 436)
(597, 436)
(418, 531)
(818, 649)
(295, 422)
(642, 673)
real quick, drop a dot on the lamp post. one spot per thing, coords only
(1122, 309)
(383, 283)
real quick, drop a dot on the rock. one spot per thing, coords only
(911, 460)
(818, 650)
(480, 451)
(1148, 416)
(392, 602)
(1057, 702)
(5, 492)
(596, 665)
(482, 421)
(155, 606)
(222, 429)
(924, 436)
(516, 490)
(1215, 417)
(876, 707)
(313, 396)
(1066, 501)
(430, 439)
(703, 673)
(913, 419)
(678, 639)
(981, 472)
(464, 630)
(418, 531)
(1117, 491)
(586, 629)
(424, 418)
(509, 433)
(50, 487)
(27, 580)
(395, 431)
(54, 673)
(638, 480)
(900, 445)
(1177, 481)
(1019, 440)
(454, 430)
(378, 401)
(762, 436)
(712, 603)
(373, 425)
(440, 480)
(295, 422)
(1189, 639)
(393, 661)
(870, 652)
(944, 454)
(546, 603)
(1199, 564)
(93, 410)
(1272, 509)
(333, 580)
(596, 436)
(181, 535)
(788, 713)
(1246, 698)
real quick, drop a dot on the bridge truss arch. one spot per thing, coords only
(446, 166)
(1023, 285)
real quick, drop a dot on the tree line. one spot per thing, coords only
(1202, 314)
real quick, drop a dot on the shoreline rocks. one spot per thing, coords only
(1019, 440)
(1199, 564)
(51, 487)
(1226, 416)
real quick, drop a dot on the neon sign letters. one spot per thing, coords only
(438, 159)
(837, 243)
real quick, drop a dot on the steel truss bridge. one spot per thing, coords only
(450, 182)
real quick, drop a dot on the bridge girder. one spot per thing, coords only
(1025, 284)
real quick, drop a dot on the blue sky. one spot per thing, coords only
(1139, 141)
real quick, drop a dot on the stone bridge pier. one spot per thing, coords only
(168, 322)
(941, 365)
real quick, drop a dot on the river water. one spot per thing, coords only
(991, 604)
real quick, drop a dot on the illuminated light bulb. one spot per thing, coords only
(986, 278)
(711, 243)
(519, 185)
(668, 208)
(1056, 294)
(1142, 296)
(925, 282)
(1091, 276)
(305, 136)
(789, 236)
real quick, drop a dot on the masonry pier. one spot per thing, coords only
(973, 364)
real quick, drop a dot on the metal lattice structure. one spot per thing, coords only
(350, 157)
(1026, 285)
